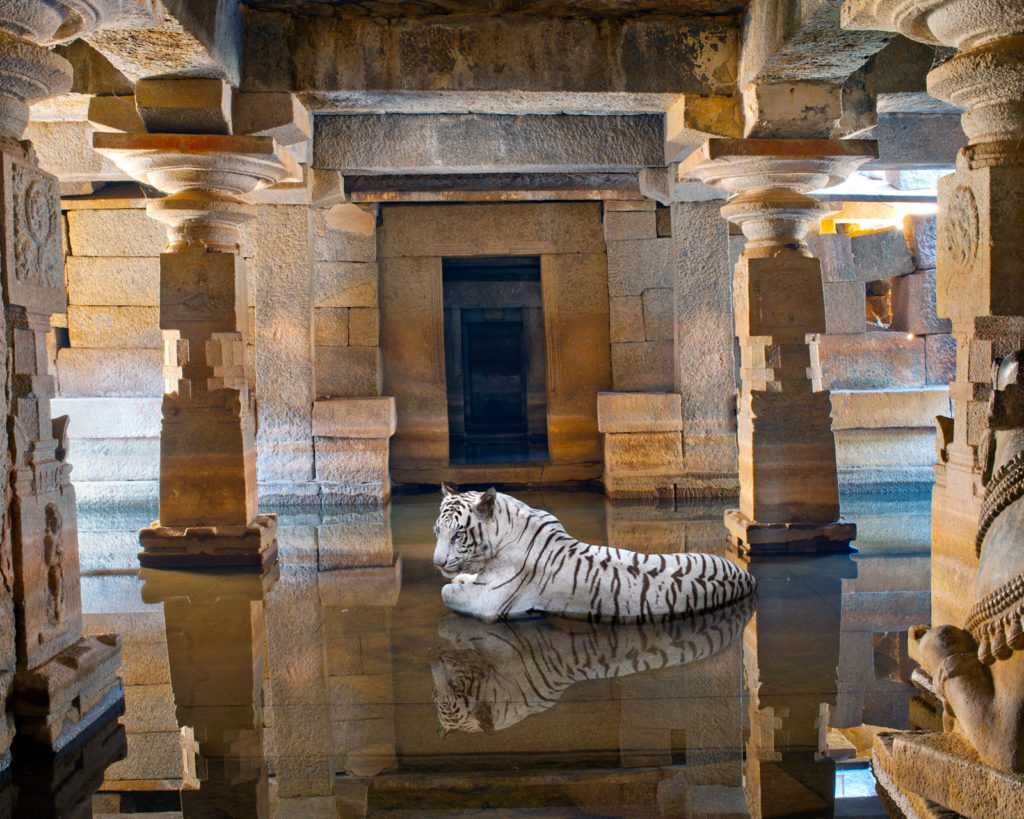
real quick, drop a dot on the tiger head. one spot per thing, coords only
(457, 684)
(462, 546)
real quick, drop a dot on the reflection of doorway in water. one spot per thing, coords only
(494, 360)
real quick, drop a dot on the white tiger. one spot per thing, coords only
(496, 674)
(507, 560)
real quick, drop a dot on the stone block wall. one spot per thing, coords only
(886, 350)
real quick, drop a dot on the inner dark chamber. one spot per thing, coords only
(494, 359)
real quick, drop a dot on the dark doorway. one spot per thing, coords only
(494, 358)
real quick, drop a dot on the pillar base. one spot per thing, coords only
(59, 701)
(206, 547)
(753, 538)
(928, 775)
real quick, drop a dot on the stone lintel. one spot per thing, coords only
(757, 539)
(487, 143)
(888, 409)
(539, 53)
(782, 148)
(199, 547)
(629, 412)
(355, 417)
(917, 140)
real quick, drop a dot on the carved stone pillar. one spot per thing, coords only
(62, 684)
(208, 514)
(789, 495)
(980, 247)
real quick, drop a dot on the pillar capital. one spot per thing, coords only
(965, 24)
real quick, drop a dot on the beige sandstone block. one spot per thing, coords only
(352, 460)
(115, 113)
(635, 266)
(279, 115)
(345, 284)
(664, 222)
(659, 314)
(643, 453)
(331, 326)
(881, 255)
(116, 459)
(348, 371)
(845, 307)
(639, 412)
(914, 304)
(334, 245)
(868, 361)
(126, 373)
(791, 110)
(116, 232)
(621, 225)
(355, 417)
(920, 232)
(149, 709)
(940, 359)
(626, 317)
(150, 756)
(363, 326)
(184, 106)
(115, 327)
(884, 448)
(124, 280)
(107, 417)
(879, 409)
(643, 367)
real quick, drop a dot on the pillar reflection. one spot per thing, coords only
(216, 643)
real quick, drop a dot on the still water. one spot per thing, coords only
(338, 685)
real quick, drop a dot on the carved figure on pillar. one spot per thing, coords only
(208, 507)
(789, 491)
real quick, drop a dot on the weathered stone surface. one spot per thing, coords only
(626, 317)
(914, 304)
(126, 373)
(641, 464)
(280, 116)
(363, 330)
(65, 150)
(284, 337)
(491, 229)
(833, 251)
(940, 359)
(623, 225)
(345, 284)
(920, 231)
(331, 326)
(352, 460)
(926, 140)
(184, 106)
(804, 110)
(486, 143)
(864, 258)
(879, 409)
(109, 417)
(636, 54)
(125, 232)
(867, 361)
(116, 459)
(115, 327)
(114, 113)
(659, 314)
(332, 245)
(643, 367)
(90, 278)
(348, 371)
(844, 307)
(355, 417)
(635, 266)
(639, 412)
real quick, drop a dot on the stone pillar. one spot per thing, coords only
(789, 495)
(62, 684)
(980, 244)
(217, 682)
(208, 506)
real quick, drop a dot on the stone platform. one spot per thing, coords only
(205, 547)
(755, 538)
(940, 776)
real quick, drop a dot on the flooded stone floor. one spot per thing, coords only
(309, 692)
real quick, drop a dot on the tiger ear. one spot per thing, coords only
(485, 506)
(447, 491)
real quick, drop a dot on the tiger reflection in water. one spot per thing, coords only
(496, 674)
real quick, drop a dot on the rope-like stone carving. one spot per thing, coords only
(1007, 485)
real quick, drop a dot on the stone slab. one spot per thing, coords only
(659, 314)
(914, 304)
(643, 367)
(348, 372)
(881, 255)
(883, 409)
(120, 232)
(116, 459)
(634, 266)
(940, 359)
(355, 417)
(352, 460)
(103, 417)
(113, 281)
(115, 327)
(626, 318)
(920, 232)
(845, 307)
(345, 284)
(330, 326)
(639, 412)
(634, 224)
(364, 326)
(867, 361)
(108, 373)
(486, 143)
(499, 229)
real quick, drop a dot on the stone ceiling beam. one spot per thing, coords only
(491, 187)
(289, 52)
(474, 143)
(799, 40)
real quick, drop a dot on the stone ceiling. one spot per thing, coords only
(576, 8)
